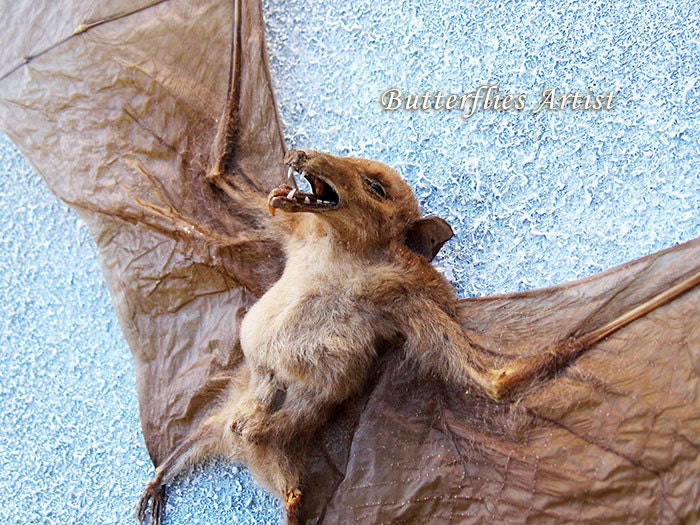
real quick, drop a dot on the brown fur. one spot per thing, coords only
(356, 274)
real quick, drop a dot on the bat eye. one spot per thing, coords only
(376, 188)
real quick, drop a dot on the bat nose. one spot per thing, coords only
(296, 158)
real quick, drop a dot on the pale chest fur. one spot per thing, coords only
(316, 320)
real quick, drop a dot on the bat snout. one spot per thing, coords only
(296, 159)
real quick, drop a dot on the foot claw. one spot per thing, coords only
(155, 495)
(292, 504)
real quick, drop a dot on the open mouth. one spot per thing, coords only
(289, 197)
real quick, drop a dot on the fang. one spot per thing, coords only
(290, 177)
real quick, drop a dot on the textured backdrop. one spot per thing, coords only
(535, 199)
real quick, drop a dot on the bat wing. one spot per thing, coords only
(613, 438)
(124, 108)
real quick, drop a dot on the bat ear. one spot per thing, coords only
(426, 236)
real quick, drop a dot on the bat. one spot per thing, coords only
(357, 276)
(208, 253)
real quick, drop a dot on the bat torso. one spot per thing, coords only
(319, 324)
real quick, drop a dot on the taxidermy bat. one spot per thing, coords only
(318, 345)
(357, 275)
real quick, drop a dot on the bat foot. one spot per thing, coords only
(292, 505)
(248, 432)
(253, 428)
(153, 496)
(244, 429)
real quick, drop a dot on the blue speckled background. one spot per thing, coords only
(534, 200)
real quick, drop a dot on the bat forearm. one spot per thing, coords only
(441, 346)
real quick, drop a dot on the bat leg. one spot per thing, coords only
(278, 468)
(286, 475)
(203, 442)
(154, 495)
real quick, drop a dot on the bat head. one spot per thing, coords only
(362, 203)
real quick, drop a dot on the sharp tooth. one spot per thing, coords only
(291, 194)
(290, 177)
(307, 201)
